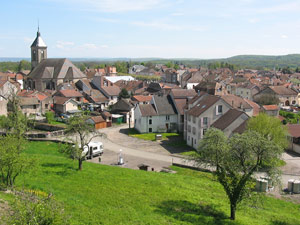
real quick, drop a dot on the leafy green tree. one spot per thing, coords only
(12, 160)
(24, 65)
(124, 93)
(235, 160)
(267, 99)
(270, 128)
(85, 132)
(50, 117)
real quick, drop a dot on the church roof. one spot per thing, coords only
(56, 69)
(38, 42)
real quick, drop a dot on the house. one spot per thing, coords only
(180, 98)
(30, 105)
(203, 111)
(231, 121)
(73, 94)
(141, 99)
(246, 90)
(64, 105)
(107, 117)
(211, 87)
(7, 88)
(136, 69)
(107, 88)
(286, 96)
(3, 105)
(271, 110)
(158, 116)
(97, 121)
(126, 108)
(294, 137)
(239, 103)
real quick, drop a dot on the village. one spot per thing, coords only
(153, 124)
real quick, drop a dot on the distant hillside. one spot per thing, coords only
(240, 61)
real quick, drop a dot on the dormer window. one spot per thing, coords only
(219, 109)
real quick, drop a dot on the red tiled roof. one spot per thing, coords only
(270, 107)
(70, 93)
(97, 119)
(294, 130)
(142, 98)
(255, 106)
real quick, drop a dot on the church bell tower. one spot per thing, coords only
(38, 50)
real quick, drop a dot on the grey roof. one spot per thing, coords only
(122, 105)
(38, 42)
(147, 110)
(228, 118)
(56, 69)
(164, 105)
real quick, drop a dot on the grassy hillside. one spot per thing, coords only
(110, 195)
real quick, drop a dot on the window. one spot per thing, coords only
(34, 106)
(205, 121)
(188, 138)
(189, 128)
(204, 131)
(194, 119)
(46, 106)
(150, 121)
(189, 117)
(219, 109)
(167, 117)
(194, 130)
(150, 130)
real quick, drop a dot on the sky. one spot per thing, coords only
(151, 28)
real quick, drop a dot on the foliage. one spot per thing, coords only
(50, 117)
(290, 117)
(270, 128)
(235, 160)
(124, 93)
(102, 194)
(78, 126)
(15, 66)
(12, 161)
(36, 210)
(24, 65)
(267, 99)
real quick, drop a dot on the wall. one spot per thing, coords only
(193, 139)
(70, 106)
(3, 106)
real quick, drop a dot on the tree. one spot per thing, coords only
(50, 117)
(124, 93)
(12, 160)
(270, 128)
(77, 125)
(24, 65)
(235, 160)
(267, 99)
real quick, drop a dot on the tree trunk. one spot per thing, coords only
(232, 211)
(80, 164)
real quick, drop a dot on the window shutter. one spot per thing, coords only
(202, 122)
(217, 110)
(208, 122)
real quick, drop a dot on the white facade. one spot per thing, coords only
(197, 126)
(157, 123)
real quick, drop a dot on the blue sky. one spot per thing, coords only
(151, 28)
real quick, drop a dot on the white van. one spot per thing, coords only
(93, 149)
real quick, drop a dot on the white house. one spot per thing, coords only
(158, 116)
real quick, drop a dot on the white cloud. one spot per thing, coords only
(117, 5)
(167, 26)
(283, 36)
(293, 6)
(65, 45)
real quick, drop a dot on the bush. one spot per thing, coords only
(34, 208)
(49, 117)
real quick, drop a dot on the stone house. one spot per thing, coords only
(287, 96)
(64, 105)
(30, 105)
(7, 88)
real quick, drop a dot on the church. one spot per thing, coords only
(47, 74)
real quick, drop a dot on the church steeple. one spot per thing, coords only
(38, 50)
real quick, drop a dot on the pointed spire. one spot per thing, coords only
(38, 32)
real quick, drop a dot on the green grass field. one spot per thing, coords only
(102, 194)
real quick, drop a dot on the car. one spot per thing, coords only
(93, 149)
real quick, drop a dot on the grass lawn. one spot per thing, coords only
(151, 136)
(102, 194)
